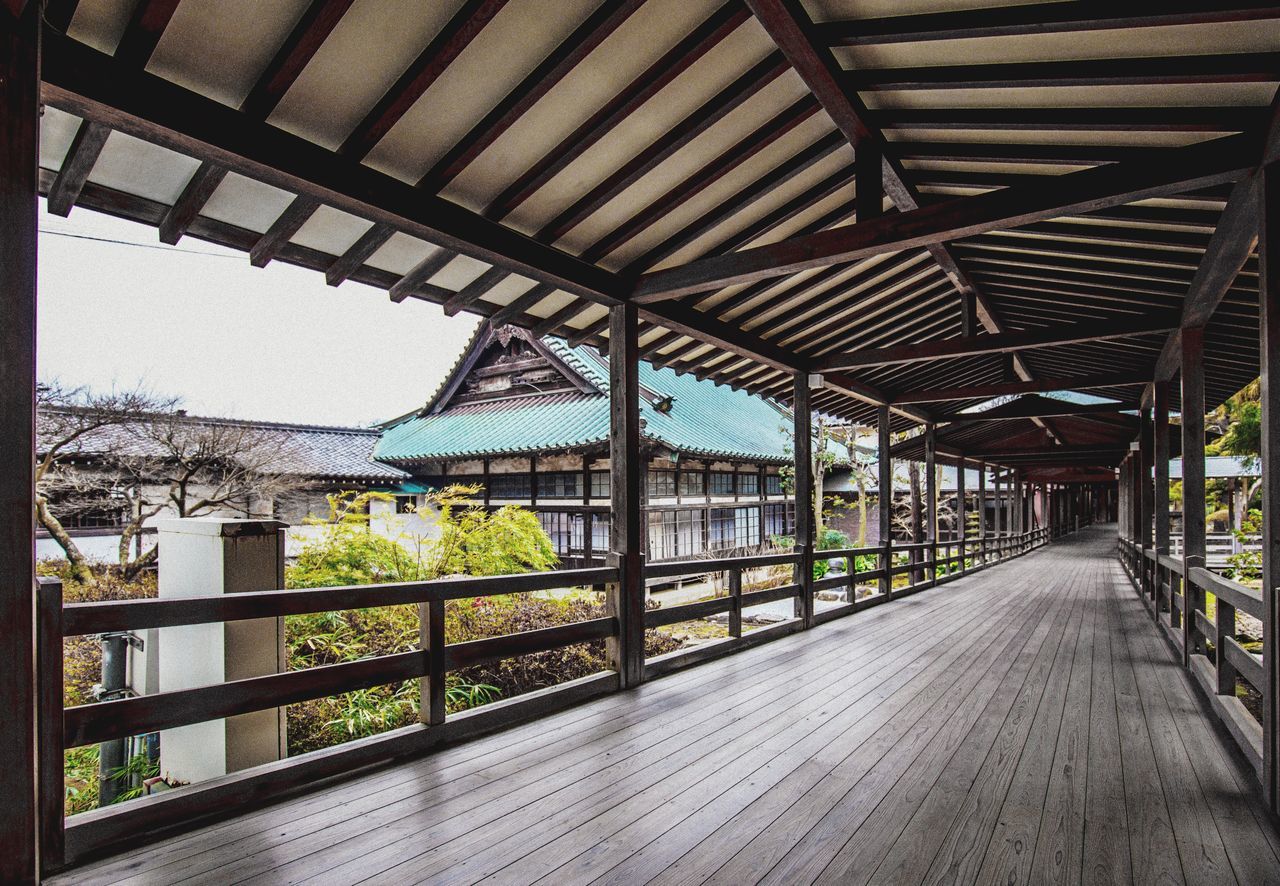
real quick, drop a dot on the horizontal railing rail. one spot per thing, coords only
(136, 615)
(1176, 599)
(869, 570)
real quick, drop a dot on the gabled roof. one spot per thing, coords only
(705, 419)
(320, 452)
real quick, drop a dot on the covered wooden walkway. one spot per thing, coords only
(1025, 724)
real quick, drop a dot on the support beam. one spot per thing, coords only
(1006, 21)
(76, 166)
(19, 152)
(986, 392)
(447, 45)
(92, 85)
(1161, 456)
(1166, 171)
(962, 511)
(931, 495)
(999, 343)
(805, 505)
(884, 466)
(1146, 455)
(1193, 494)
(1233, 241)
(194, 196)
(789, 25)
(982, 510)
(1269, 348)
(625, 599)
(1018, 410)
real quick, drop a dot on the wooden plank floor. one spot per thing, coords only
(1024, 724)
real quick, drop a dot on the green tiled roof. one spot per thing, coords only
(705, 419)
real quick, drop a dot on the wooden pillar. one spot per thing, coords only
(1146, 461)
(931, 496)
(885, 467)
(1160, 439)
(1017, 503)
(982, 511)
(1269, 347)
(999, 512)
(1135, 496)
(19, 151)
(625, 598)
(1193, 528)
(804, 497)
(868, 197)
(962, 513)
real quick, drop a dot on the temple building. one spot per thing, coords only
(526, 421)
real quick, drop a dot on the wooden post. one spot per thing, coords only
(1269, 348)
(982, 512)
(1161, 456)
(931, 497)
(1000, 508)
(19, 151)
(805, 504)
(961, 512)
(625, 598)
(1146, 452)
(431, 639)
(1193, 529)
(735, 596)
(885, 466)
(49, 689)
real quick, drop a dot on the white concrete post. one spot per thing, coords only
(206, 556)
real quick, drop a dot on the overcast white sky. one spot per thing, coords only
(199, 322)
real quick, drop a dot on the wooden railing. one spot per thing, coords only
(1208, 646)
(926, 565)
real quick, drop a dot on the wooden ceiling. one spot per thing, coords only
(928, 203)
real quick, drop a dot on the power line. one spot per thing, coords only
(132, 243)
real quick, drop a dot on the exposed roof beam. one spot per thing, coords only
(1232, 243)
(1167, 171)
(199, 188)
(792, 30)
(142, 34)
(282, 229)
(76, 166)
(698, 43)
(447, 45)
(996, 343)
(1040, 385)
(1036, 409)
(306, 38)
(309, 33)
(1051, 453)
(1039, 18)
(558, 64)
(1230, 248)
(1174, 119)
(82, 81)
(1240, 67)
(419, 274)
(519, 305)
(89, 84)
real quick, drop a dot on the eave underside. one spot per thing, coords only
(530, 165)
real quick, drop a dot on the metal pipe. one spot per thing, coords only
(111, 754)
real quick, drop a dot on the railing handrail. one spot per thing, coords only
(675, 568)
(108, 720)
(129, 615)
(1244, 598)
